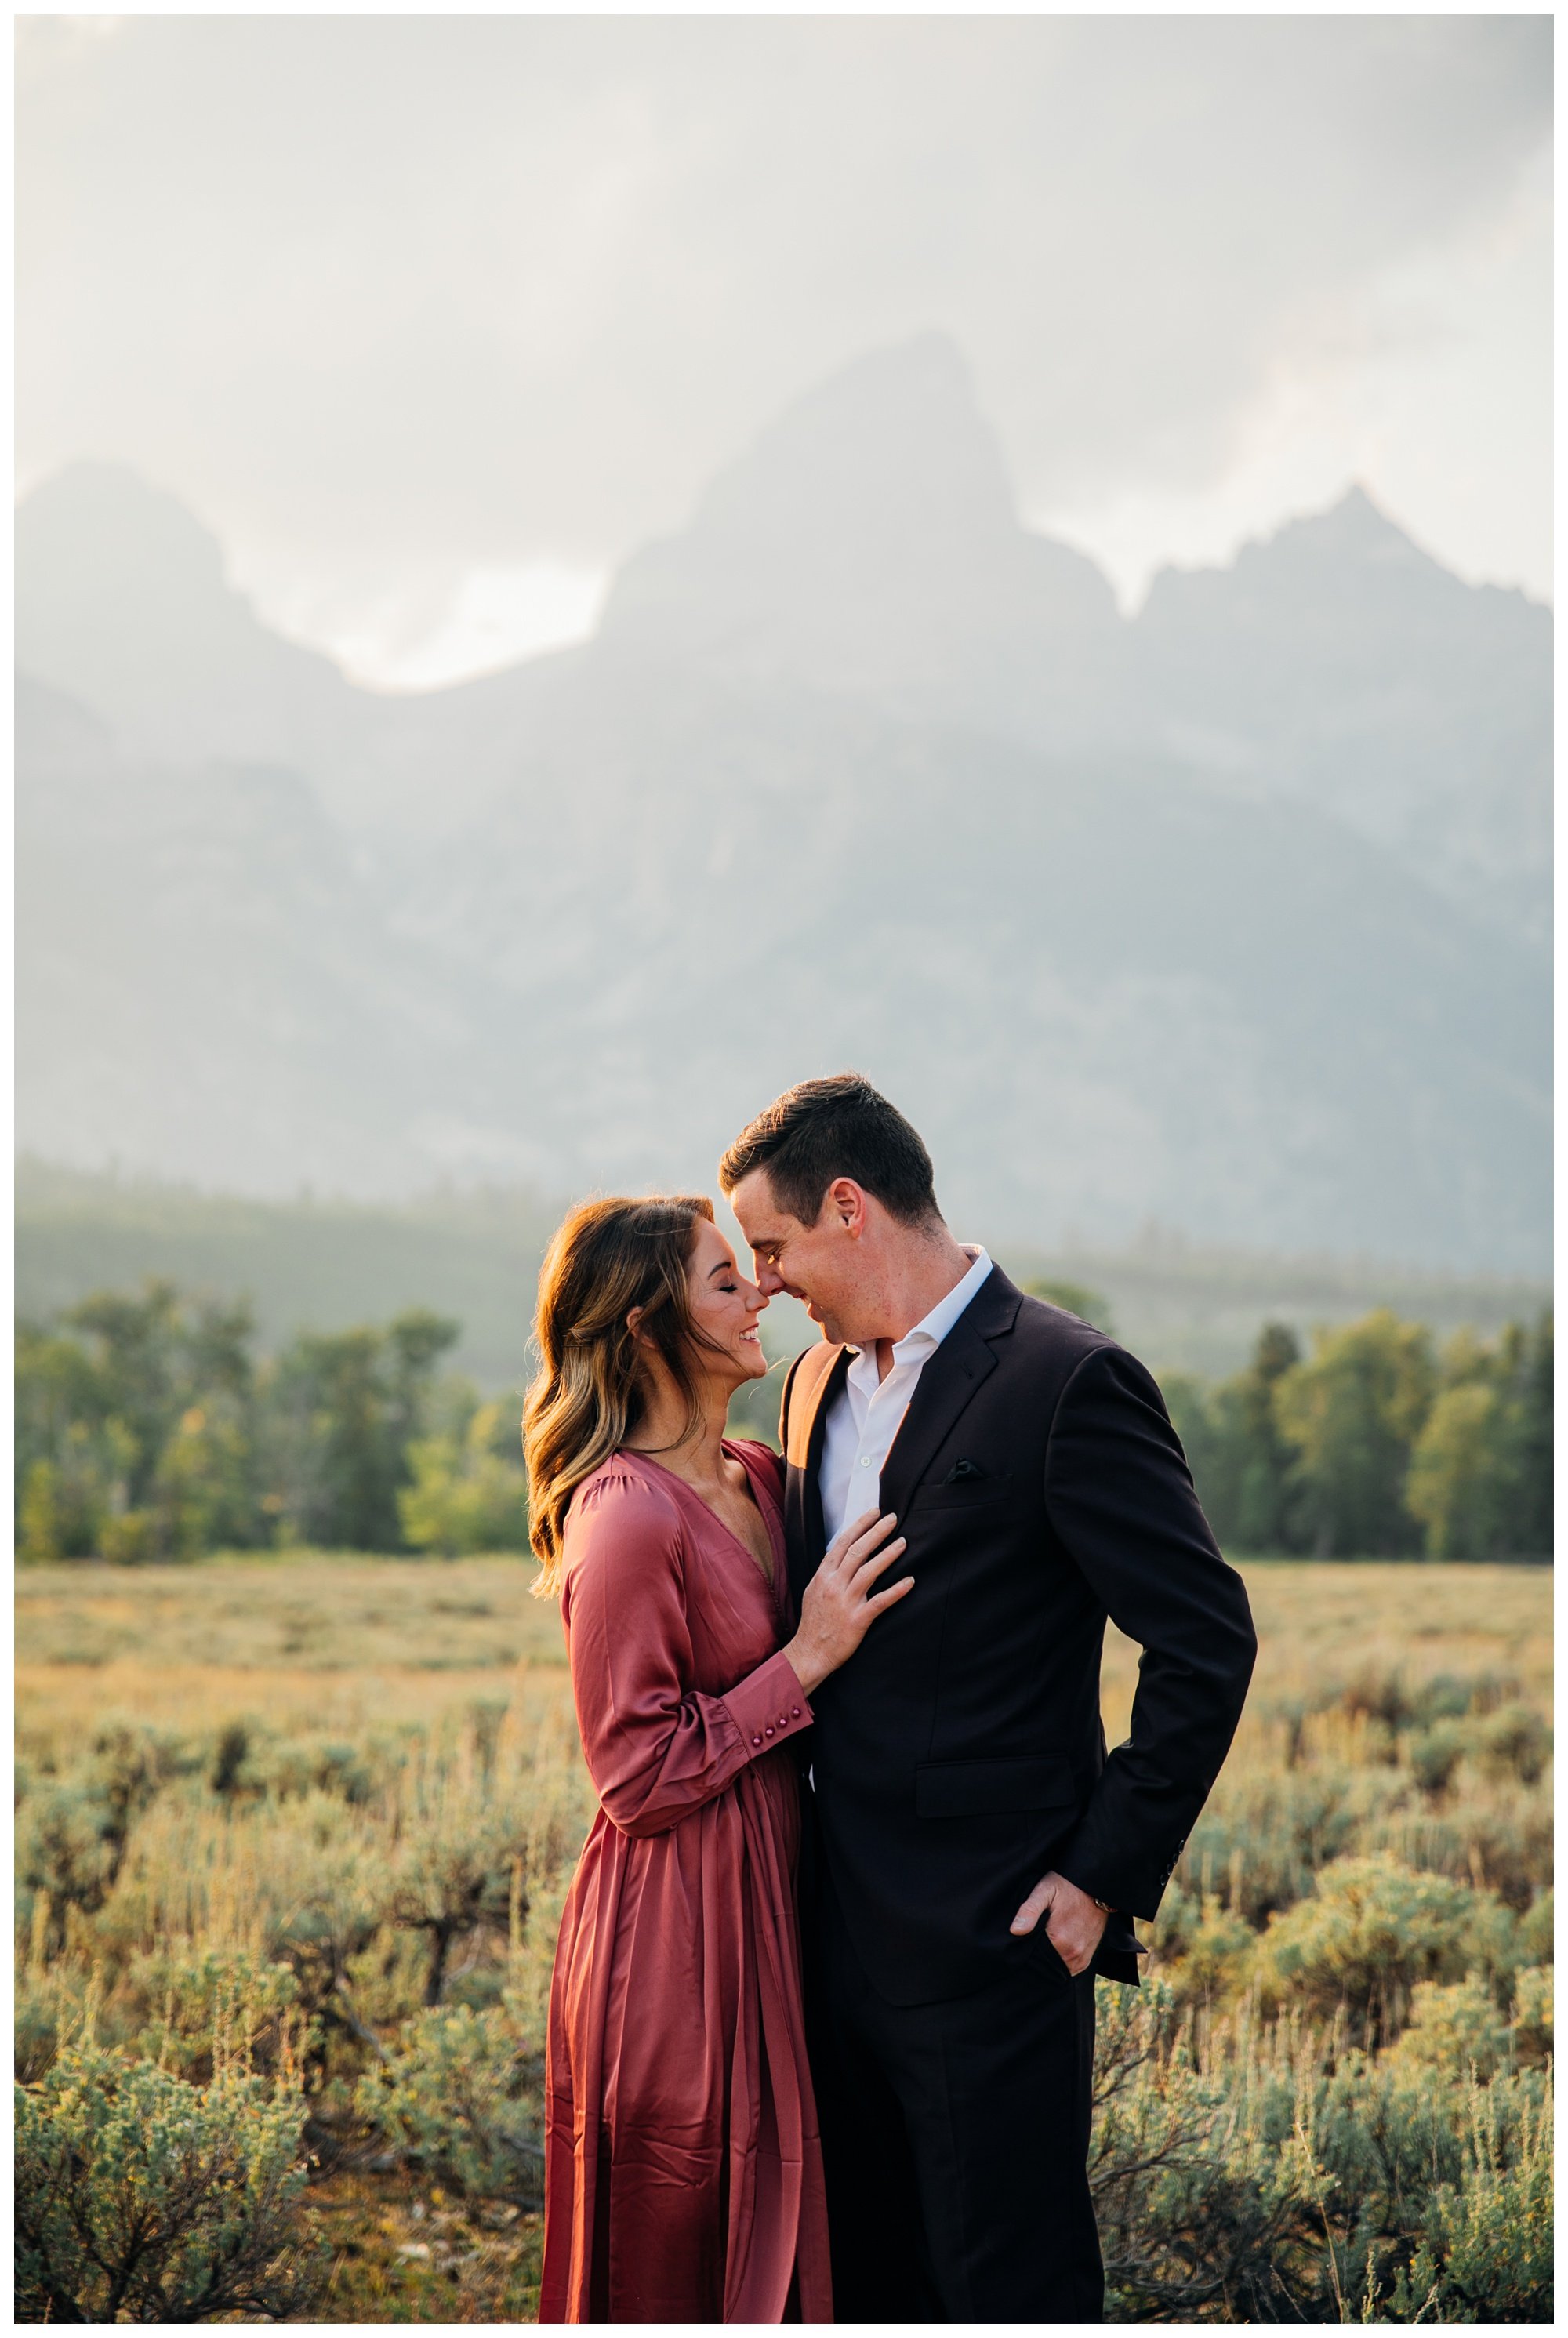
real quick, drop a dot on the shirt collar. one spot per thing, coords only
(927, 1335)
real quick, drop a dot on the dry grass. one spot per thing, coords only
(442, 1688)
(381, 1623)
(1324, 1622)
(307, 1611)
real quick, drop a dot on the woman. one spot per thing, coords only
(682, 2169)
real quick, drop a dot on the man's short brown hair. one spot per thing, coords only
(836, 1127)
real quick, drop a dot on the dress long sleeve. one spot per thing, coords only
(656, 1748)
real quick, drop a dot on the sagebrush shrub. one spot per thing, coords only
(1370, 1930)
(459, 2095)
(1532, 2028)
(1434, 1754)
(64, 1851)
(141, 2197)
(1537, 1928)
(1246, 2170)
(1455, 2026)
(1487, 2252)
(1517, 1741)
(210, 2007)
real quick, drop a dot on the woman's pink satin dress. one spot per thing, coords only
(683, 2173)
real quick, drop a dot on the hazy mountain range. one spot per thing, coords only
(1234, 914)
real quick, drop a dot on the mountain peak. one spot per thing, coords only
(102, 526)
(1354, 528)
(1311, 562)
(868, 542)
(123, 603)
(893, 445)
(1357, 508)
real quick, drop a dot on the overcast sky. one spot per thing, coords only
(436, 318)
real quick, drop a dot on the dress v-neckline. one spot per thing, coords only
(769, 1573)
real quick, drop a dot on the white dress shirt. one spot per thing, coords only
(863, 1417)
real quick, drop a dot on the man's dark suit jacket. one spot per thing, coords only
(959, 1754)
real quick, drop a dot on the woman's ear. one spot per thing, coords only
(634, 1322)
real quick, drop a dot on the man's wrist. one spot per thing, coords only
(1093, 1897)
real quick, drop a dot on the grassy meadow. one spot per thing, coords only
(292, 1836)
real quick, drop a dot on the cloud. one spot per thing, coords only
(489, 292)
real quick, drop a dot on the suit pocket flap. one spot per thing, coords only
(969, 1494)
(961, 1790)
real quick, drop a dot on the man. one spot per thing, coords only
(961, 1790)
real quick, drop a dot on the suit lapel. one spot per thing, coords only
(946, 1383)
(818, 1384)
(964, 1360)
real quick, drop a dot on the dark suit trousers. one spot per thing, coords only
(955, 2138)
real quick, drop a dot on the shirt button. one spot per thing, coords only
(865, 1460)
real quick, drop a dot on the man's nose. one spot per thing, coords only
(770, 1282)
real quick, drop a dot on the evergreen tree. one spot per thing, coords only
(134, 1427)
(1480, 1473)
(1259, 1459)
(1533, 1534)
(1462, 1483)
(342, 1410)
(144, 1431)
(1352, 1413)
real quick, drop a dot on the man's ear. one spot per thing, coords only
(845, 1198)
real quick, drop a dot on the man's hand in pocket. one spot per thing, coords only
(1073, 1921)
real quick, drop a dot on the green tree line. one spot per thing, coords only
(147, 1428)
(1377, 1444)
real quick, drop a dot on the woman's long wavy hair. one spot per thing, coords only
(590, 1392)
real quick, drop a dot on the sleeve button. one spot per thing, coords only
(796, 1711)
(756, 1741)
(768, 1733)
